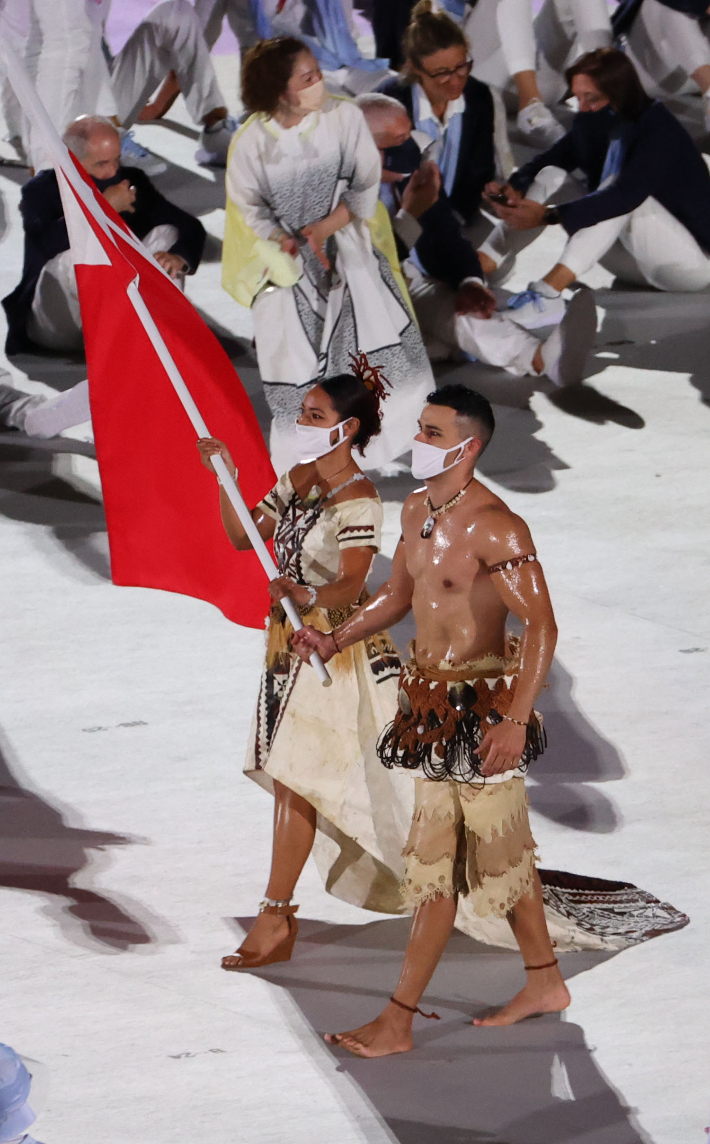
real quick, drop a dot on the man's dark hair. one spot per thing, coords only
(616, 77)
(468, 404)
(266, 70)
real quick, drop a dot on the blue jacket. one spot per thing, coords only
(476, 164)
(442, 248)
(46, 236)
(660, 160)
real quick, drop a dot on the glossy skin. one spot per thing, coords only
(460, 611)
(101, 161)
(294, 816)
(459, 608)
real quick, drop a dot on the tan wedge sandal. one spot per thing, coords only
(243, 959)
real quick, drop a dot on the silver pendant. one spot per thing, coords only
(428, 527)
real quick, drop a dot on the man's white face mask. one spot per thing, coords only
(312, 98)
(429, 460)
(313, 442)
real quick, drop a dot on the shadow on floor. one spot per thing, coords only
(535, 1083)
(41, 853)
(31, 492)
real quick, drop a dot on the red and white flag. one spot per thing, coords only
(145, 342)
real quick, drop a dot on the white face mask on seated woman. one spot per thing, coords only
(430, 460)
(313, 442)
(313, 97)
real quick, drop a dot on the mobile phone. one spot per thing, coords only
(499, 197)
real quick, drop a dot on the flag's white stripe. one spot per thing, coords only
(84, 251)
(229, 485)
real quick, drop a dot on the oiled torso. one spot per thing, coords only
(458, 612)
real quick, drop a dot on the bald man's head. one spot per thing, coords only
(96, 143)
(386, 117)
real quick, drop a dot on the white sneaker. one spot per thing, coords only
(539, 124)
(532, 309)
(133, 154)
(565, 352)
(214, 143)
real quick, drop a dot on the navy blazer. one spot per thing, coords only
(660, 161)
(583, 148)
(46, 236)
(442, 248)
(476, 165)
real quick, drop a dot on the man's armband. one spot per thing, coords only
(514, 562)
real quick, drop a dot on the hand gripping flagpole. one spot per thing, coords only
(60, 157)
(226, 480)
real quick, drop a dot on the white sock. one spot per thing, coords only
(544, 288)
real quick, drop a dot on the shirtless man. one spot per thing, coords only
(465, 721)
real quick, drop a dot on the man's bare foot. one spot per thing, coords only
(163, 101)
(267, 932)
(389, 1033)
(546, 992)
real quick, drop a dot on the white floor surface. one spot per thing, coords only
(124, 714)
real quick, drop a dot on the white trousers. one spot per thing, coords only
(169, 38)
(55, 38)
(503, 239)
(648, 246)
(505, 40)
(48, 417)
(495, 341)
(55, 320)
(63, 52)
(211, 14)
(666, 45)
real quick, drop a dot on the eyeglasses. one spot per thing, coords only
(463, 71)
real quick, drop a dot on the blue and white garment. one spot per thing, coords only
(445, 137)
(332, 43)
(615, 154)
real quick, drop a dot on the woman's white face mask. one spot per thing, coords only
(429, 460)
(313, 442)
(311, 98)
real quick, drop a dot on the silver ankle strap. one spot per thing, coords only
(278, 904)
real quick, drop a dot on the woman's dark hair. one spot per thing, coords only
(428, 32)
(266, 70)
(469, 404)
(352, 398)
(616, 77)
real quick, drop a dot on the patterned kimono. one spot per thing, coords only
(308, 320)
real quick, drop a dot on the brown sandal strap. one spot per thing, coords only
(278, 911)
(548, 965)
(416, 1009)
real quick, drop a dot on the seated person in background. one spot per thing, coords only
(451, 112)
(646, 217)
(455, 310)
(44, 309)
(668, 42)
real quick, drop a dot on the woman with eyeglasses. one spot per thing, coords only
(451, 112)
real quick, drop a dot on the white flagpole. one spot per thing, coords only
(228, 483)
(24, 90)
